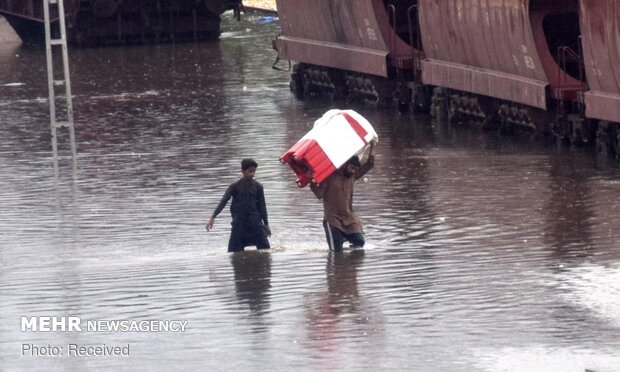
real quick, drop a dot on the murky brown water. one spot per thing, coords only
(485, 253)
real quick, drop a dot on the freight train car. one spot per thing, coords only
(97, 22)
(359, 49)
(504, 52)
(548, 65)
(600, 33)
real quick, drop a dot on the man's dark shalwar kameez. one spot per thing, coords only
(249, 215)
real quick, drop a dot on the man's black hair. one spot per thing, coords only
(355, 161)
(248, 163)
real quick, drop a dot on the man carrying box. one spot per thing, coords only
(340, 221)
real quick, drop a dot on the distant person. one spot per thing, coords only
(340, 222)
(248, 211)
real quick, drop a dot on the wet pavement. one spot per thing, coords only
(485, 253)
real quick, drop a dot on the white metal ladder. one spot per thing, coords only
(66, 120)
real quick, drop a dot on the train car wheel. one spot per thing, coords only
(454, 115)
(296, 87)
(306, 83)
(296, 83)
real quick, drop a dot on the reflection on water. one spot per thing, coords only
(484, 253)
(569, 210)
(339, 301)
(252, 279)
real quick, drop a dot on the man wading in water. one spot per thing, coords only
(340, 222)
(248, 210)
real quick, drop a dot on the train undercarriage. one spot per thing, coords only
(565, 122)
(308, 81)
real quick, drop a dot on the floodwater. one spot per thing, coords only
(485, 253)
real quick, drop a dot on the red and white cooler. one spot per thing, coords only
(334, 139)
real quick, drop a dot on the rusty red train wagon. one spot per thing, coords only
(95, 22)
(600, 30)
(349, 47)
(549, 65)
